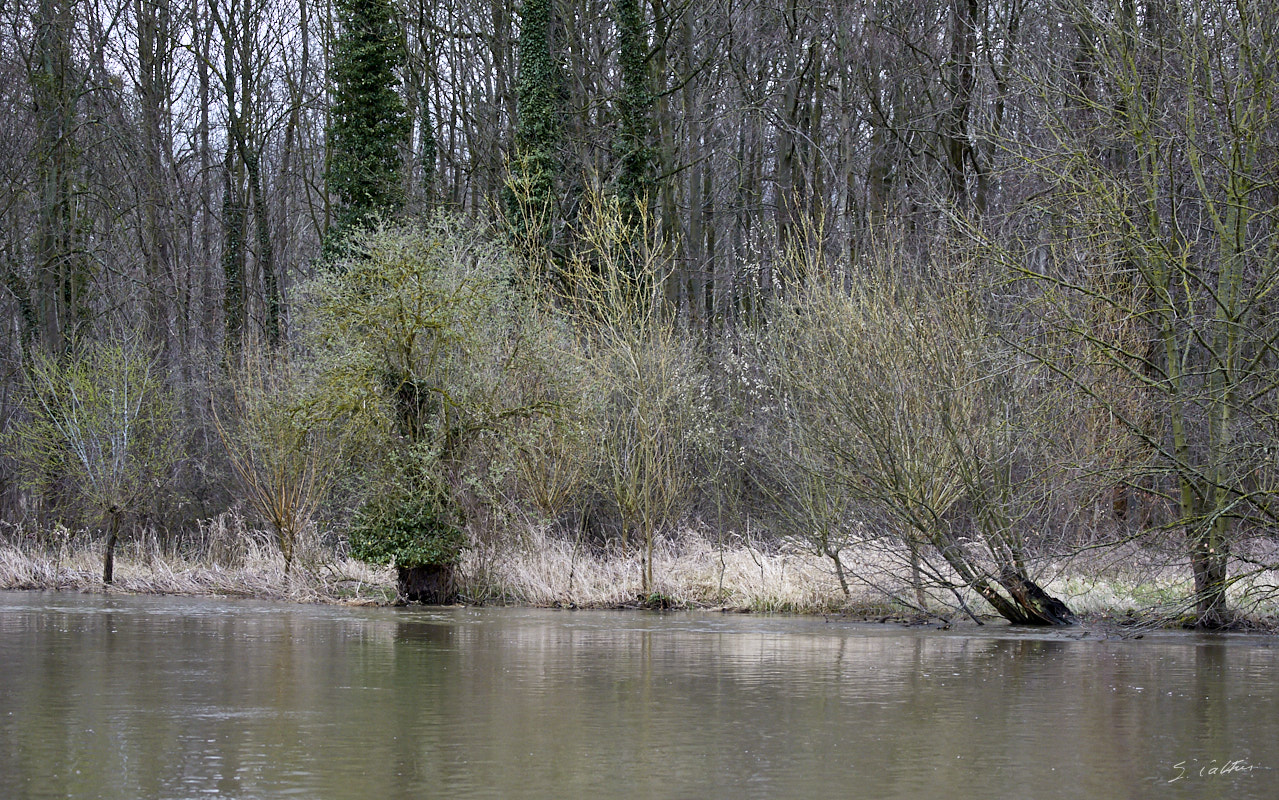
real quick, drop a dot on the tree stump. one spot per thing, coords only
(432, 584)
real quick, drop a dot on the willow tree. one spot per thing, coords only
(419, 337)
(918, 416)
(369, 124)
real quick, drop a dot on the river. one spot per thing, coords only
(161, 697)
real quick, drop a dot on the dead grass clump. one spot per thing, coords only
(546, 570)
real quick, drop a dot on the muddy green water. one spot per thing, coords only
(137, 698)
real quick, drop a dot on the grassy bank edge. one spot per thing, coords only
(1125, 595)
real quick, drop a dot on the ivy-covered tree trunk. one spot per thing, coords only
(369, 125)
(530, 195)
(634, 108)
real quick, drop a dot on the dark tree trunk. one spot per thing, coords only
(839, 570)
(1022, 601)
(1033, 606)
(1208, 564)
(108, 558)
(431, 585)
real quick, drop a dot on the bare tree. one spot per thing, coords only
(100, 422)
(1168, 223)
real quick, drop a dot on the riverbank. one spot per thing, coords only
(1134, 588)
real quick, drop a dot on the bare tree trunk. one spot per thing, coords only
(113, 536)
(960, 84)
(62, 272)
(154, 52)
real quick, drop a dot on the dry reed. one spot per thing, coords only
(222, 558)
(226, 558)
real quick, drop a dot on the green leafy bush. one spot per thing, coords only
(406, 532)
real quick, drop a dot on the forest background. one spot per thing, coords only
(970, 301)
